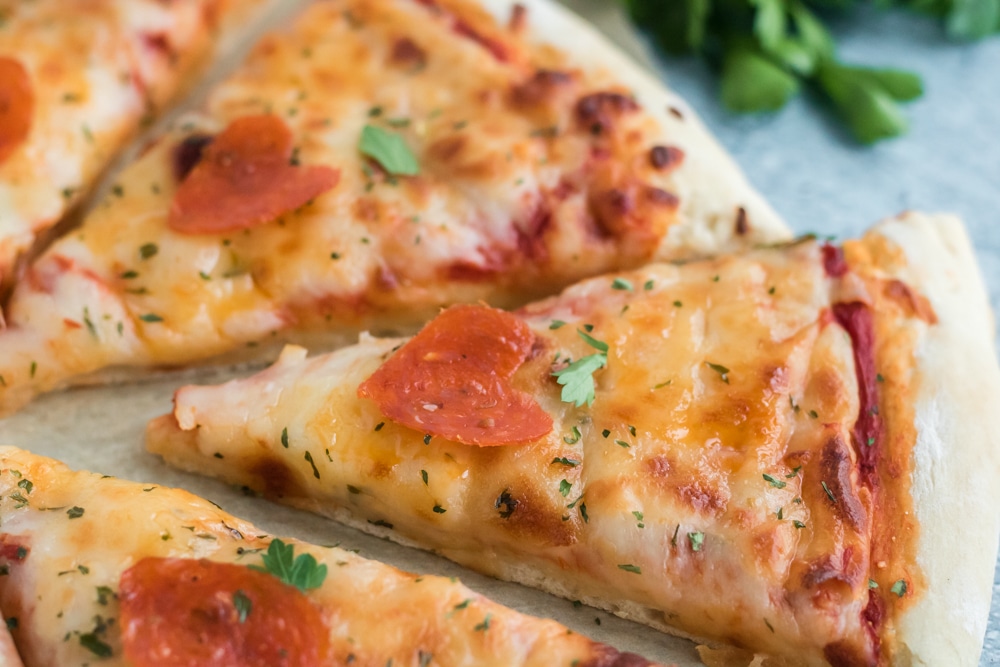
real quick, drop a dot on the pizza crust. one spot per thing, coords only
(955, 491)
(711, 187)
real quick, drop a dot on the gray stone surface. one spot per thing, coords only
(820, 180)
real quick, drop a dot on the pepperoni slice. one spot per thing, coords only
(453, 380)
(181, 612)
(17, 104)
(245, 178)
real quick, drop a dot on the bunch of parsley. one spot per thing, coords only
(766, 49)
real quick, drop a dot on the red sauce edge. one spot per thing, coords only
(856, 319)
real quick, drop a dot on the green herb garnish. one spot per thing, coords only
(389, 150)
(301, 571)
(765, 50)
(243, 605)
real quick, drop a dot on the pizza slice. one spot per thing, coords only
(785, 451)
(104, 571)
(376, 161)
(77, 81)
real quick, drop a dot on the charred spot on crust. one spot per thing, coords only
(408, 53)
(188, 153)
(275, 477)
(506, 504)
(599, 112)
(529, 515)
(605, 656)
(742, 222)
(676, 113)
(663, 158)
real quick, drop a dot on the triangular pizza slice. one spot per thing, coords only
(77, 80)
(786, 450)
(97, 570)
(376, 161)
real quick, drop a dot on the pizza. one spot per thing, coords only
(8, 652)
(104, 571)
(780, 450)
(375, 161)
(76, 82)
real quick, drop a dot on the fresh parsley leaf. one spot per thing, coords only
(973, 19)
(572, 463)
(564, 488)
(776, 483)
(829, 493)
(622, 285)
(697, 540)
(899, 588)
(867, 107)
(95, 645)
(751, 82)
(302, 571)
(389, 150)
(598, 345)
(720, 369)
(628, 567)
(577, 379)
(768, 48)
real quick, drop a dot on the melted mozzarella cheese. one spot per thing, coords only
(533, 174)
(691, 494)
(81, 531)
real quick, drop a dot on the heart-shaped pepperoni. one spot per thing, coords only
(17, 104)
(453, 380)
(246, 178)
